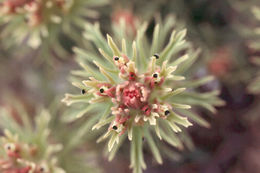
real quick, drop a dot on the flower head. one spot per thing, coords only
(221, 62)
(39, 23)
(122, 18)
(139, 96)
(27, 150)
(140, 90)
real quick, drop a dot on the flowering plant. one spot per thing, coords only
(25, 149)
(140, 91)
(39, 23)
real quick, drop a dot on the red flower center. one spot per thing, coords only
(132, 95)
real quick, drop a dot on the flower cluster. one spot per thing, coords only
(140, 90)
(25, 149)
(139, 98)
(125, 22)
(21, 157)
(38, 23)
(35, 11)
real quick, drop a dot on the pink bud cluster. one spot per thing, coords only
(15, 161)
(134, 98)
(32, 9)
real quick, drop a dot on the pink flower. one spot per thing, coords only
(132, 94)
(12, 5)
(12, 150)
(132, 97)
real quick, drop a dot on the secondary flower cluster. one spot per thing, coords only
(25, 149)
(21, 157)
(34, 17)
(35, 11)
(125, 22)
(39, 23)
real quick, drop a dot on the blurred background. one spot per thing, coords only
(226, 32)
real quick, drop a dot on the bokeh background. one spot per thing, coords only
(223, 29)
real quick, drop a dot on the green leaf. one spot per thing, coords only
(199, 82)
(180, 106)
(113, 139)
(171, 139)
(196, 118)
(113, 46)
(140, 44)
(179, 119)
(174, 93)
(124, 50)
(179, 60)
(153, 147)
(78, 137)
(77, 114)
(103, 122)
(71, 99)
(154, 47)
(106, 56)
(114, 150)
(137, 162)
